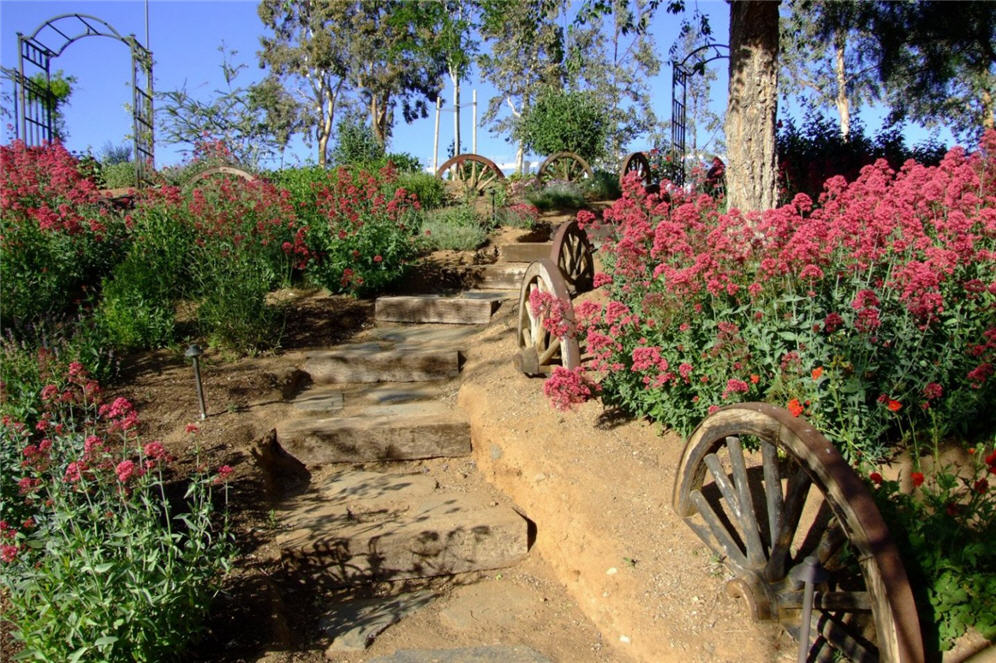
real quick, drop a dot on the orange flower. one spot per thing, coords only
(795, 407)
(755, 378)
(817, 372)
(917, 479)
(894, 406)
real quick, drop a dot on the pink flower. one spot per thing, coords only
(224, 472)
(125, 470)
(8, 553)
(932, 391)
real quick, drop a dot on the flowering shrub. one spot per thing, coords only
(55, 240)
(362, 231)
(945, 529)
(871, 313)
(100, 562)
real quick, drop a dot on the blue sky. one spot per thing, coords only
(185, 36)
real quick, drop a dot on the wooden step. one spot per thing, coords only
(370, 362)
(499, 275)
(525, 251)
(363, 526)
(434, 309)
(330, 399)
(406, 431)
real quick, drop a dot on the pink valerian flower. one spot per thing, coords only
(74, 471)
(601, 278)
(127, 469)
(735, 386)
(978, 375)
(646, 358)
(566, 388)
(8, 553)
(27, 485)
(224, 472)
(932, 391)
(556, 315)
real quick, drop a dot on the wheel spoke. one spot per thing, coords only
(748, 516)
(788, 520)
(722, 536)
(838, 636)
(772, 488)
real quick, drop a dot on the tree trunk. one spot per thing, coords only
(455, 76)
(751, 175)
(843, 103)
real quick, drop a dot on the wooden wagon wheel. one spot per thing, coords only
(472, 174)
(764, 490)
(539, 350)
(218, 170)
(636, 163)
(572, 253)
(566, 166)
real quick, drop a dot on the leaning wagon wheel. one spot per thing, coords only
(539, 349)
(472, 174)
(636, 163)
(572, 253)
(566, 166)
(217, 170)
(764, 490)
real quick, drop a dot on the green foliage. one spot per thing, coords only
(403, 162)
(603, 185)
(557, 196)
(119, 174)
(428, 188)
(457, 228)
(944, 530)
(566, 121)
(102, 561)
(355, 143)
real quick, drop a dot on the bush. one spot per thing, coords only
(454, 228)
(362, 232)
(55, 241)
(810, 155)
(872, 314)
(429, 189)
(518, 215)
(566, 121)
(557, 196)
(603, 185)
(355, 143)
(100, 564)
(117, 175)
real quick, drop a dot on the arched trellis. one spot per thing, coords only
(680, 73)
(35, 105)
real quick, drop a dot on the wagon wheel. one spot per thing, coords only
(566, 166)
(472, 174)
(217, 170)
(636, 163)
(750, 470)
(538, 348)
(571, 251)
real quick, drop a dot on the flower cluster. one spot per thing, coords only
(825, 306)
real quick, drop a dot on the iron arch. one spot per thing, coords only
(36, 118)
(680, 73)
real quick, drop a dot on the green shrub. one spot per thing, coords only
(454, 228)
(101, 565)
(602, 186)
(361, 233)
(429, 189)
(562, 120)
(557, 196)
(117, 175)
(404, 162)
(355, 143)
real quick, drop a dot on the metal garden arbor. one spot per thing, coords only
(680, 73)
(35, 107)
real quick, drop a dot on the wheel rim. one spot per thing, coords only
(566, 166)
(543, 276)
(572, 253)
(636, 163)
(472, 174)
(217, 170)
(792, 482)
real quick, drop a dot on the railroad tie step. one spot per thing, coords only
(499, 275)
(360, 526)
(331, 399)
(406, 431)
(525, 251)
(370, 362)
(434, 309)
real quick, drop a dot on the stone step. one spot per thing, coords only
(525, 251)
(405, 431)
(330, 399)
(424, 336)
(361, 526)
(434, 309)
(371, 362)
(499, 275)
